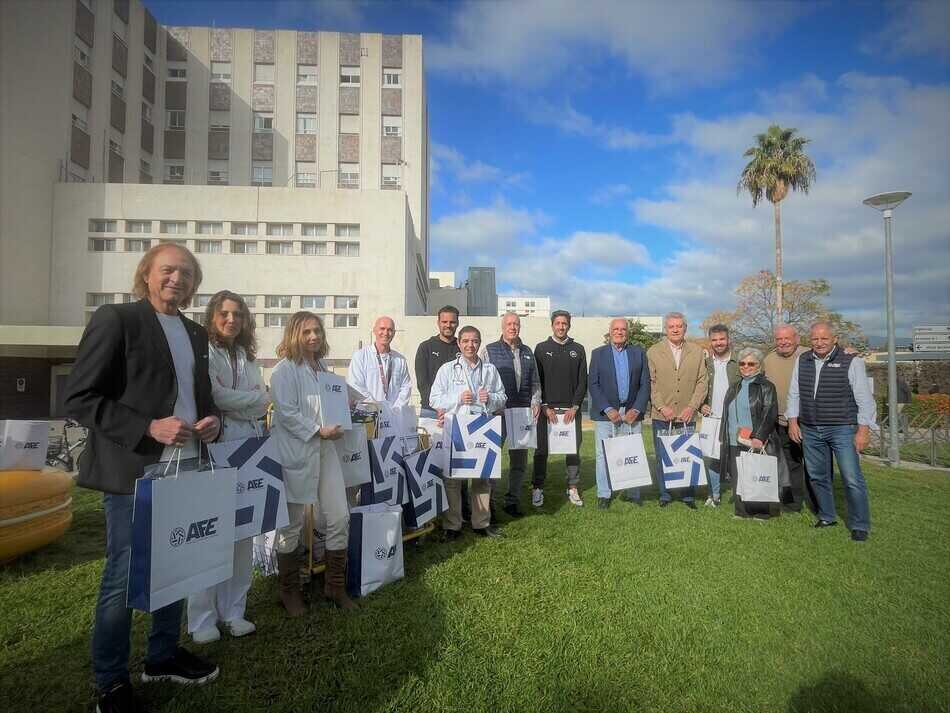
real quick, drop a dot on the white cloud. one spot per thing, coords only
(534, 42)
(446, 158)
(610, 193)
(916, 28)
(483, 236)
(571, 121)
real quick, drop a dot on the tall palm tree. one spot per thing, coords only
(778, 163)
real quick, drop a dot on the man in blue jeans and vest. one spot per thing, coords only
(831, 410)
(519, 373)
(619, 385)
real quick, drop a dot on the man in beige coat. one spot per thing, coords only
(678, 383)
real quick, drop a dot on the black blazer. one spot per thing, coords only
(124, 377)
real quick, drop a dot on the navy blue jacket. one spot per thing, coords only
(603, 382)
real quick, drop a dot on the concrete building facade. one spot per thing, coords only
(524, 306)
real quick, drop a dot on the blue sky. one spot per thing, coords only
(590, 150)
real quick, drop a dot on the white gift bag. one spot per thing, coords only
(264, 553)
(681, 461)
(387, 483)
(355, 456)
(626, 459)
(439, 442)
(759, 478)
(521, 429)
(562, 437)
(260, 499)
(709, 436)
(476, 446)
(374, 550)
(23, 445)
(334, 401)
(182, 534)
(426, 491)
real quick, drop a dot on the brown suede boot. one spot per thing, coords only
(288, 576)
(335, 580)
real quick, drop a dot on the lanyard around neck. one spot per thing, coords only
(385, 375)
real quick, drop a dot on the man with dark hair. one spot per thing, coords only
(562, 369)
(436, 351)
(722, 371)
(141, 387)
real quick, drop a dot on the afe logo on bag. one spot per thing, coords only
(333, 388)
(438, 445)
(393, 471)
(629, 460)
(764, 478)
(26, 445)
(255, 484)
(476, 444)
(239, 488)
(527, 428)
(177, 536)
(353, 458)
(197, 530)
(563, 434)
(383, 554)
(384, 424)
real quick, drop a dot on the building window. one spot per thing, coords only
(244, 247)
(347, 249)
(344, 320)
(306, 123)
(392, 77)
(263, 73)
(81, 123)
(102, 226)
(138, 226)
(177, 73)
(175, 173)
(147, 112)
(280, 228)
(198, 317)
(137, 246)
(306, 174)
(310, 248)
(280, 248)
(208, 246)
(149, 62)
(220, 71)
(81, 53)
(346, 302)
(97, 299)
(262, 175)
(313, 229)
(217, 177)
(145, 166)
(174, 227)
(102, 245)
(118, 89)
(243, 228)
(276, 320)
(392, 126)
(219, 120)
(391, 175)
(202, 300)
(173, 241)
(277, 301)
(210, 229)
(250, 300)
(349, 175)
(263, 122)
(115, 147)
(350, 76)
(313, 301)
(306, 74)
(347, 230)
(175, 119)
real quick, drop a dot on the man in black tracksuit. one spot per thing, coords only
(562, 367)
(436, 351)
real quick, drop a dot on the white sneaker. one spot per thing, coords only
(240, 627)
(710, 503)
(206, 635)
(574, 497)
(537, 497)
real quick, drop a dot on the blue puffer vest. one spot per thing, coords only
(501, 356)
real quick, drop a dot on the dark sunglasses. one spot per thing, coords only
(748, 363)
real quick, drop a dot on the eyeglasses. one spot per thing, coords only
(748, 363)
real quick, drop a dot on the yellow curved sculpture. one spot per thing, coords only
(35, 509)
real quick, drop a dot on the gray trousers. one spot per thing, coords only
(517, 465)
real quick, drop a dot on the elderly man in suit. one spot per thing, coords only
(619, 384)
(140, 385)
(678, 382)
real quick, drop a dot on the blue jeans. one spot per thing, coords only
(602, 430)
(688, 493)
(113, 627)
(819, 443)
(713, 478)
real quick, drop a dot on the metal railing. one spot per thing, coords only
(924, 438)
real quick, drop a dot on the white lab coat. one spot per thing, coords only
(363, 375)
(304, 455)
(243, 406)
(452, 379)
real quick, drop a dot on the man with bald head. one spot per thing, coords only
(830, 411)
(378, 372)
(619, 385)
(777, 367)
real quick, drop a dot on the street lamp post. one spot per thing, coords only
(886, 203)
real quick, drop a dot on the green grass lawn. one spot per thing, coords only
(633, 609)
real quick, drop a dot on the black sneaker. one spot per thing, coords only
(183, 667)
(859, 535)
(489, 531)
(451, 535)
(119, 698)
(513, 511)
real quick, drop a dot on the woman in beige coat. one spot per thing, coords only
(313, 472)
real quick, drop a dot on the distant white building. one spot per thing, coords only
(524, 306)
(441, 279)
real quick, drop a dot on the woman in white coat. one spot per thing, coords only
(313, 471)
(238, 391)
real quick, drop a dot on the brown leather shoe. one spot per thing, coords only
(288, 577)
(335, 580)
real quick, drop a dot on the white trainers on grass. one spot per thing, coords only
(574, 497)
(537, 497)
(206, 635)
(240, 627)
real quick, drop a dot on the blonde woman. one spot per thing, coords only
(238, 391)
(313, 472)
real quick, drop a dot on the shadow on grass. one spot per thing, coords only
(840, 692)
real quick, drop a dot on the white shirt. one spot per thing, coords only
(457, 376)
(183, 357)
(720, 384)
(363, 375)
(677, 352)
(860, 388)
